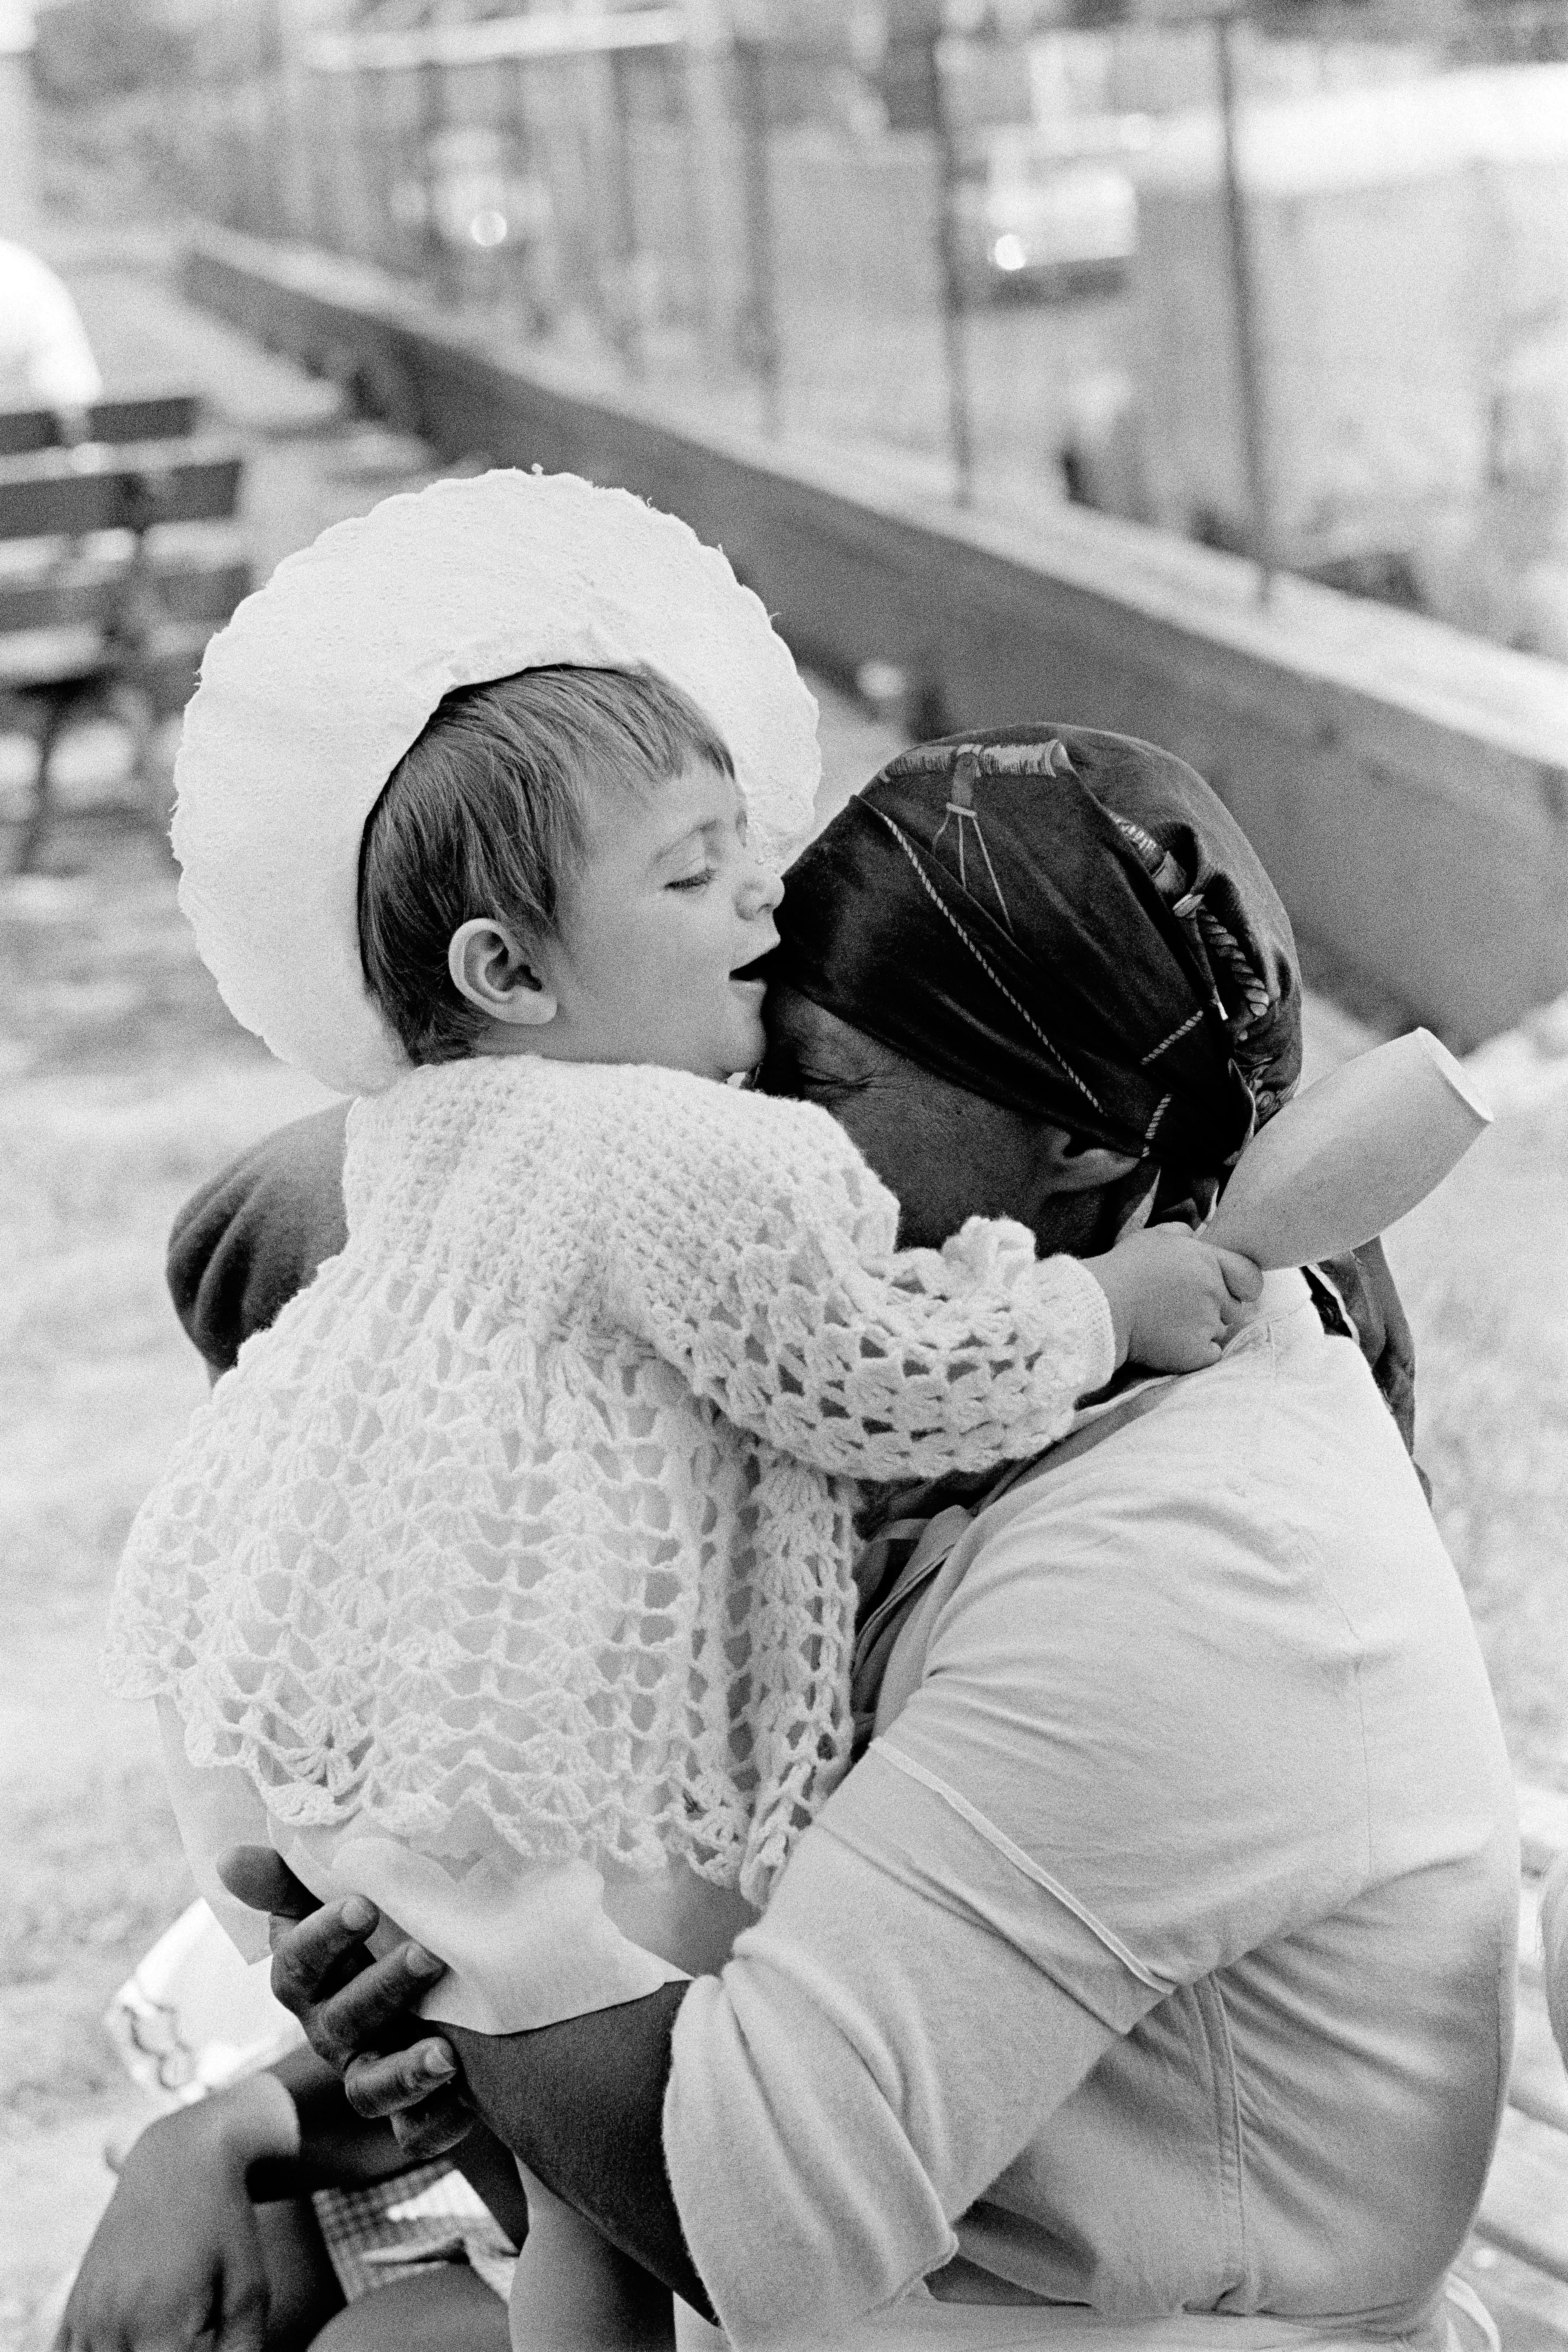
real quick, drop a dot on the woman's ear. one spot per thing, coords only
(489, 968)
(1078, 1166)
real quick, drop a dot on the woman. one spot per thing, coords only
(1156, 1959)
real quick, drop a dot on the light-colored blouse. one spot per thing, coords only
(1159, 1956)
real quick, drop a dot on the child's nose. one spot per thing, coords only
(762, 891)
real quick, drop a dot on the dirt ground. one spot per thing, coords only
(123, 1083)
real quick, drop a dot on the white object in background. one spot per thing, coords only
(1351, 1156)
(194, 2017)
(45, 360)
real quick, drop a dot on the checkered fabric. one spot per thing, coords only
(400, 2228)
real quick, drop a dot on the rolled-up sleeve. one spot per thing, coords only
(256, 1234)
(877, 2050)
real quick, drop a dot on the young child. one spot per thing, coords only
(507, 1578)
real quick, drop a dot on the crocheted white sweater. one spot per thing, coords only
(527, 1528)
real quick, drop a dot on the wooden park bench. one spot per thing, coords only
(1517, 2258)
(112, 575)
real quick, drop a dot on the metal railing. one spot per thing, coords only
(792, 237)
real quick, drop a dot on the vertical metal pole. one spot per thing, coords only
(628, 296)
(365, 187)
(381, 163)
(526, 271)
(1244, 305)
(761, 331)
(697, 252)
(584, 258)
(335, 118)
(432, 122)
(955, 357)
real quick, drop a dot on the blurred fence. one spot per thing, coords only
(1302, 294)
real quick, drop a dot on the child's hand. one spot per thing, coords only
(1174, 1302)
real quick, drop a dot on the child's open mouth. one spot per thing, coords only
(755, 974)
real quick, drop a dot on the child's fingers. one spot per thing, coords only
(1243, 1277)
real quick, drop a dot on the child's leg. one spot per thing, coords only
(574, 2292)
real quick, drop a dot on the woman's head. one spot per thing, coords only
(1056, 947)
(559, 864)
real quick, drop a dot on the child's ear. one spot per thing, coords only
(489, 967)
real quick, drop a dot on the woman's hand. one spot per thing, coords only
(177, 2257)
(359, 2013)
(579, 2103)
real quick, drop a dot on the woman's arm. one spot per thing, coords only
(181, 2252)
(833, 2089)
(255, 1233)
(579, 2103)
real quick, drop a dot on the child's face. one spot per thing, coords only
(670, 905)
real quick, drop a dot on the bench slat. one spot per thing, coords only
(202, 584)
(139, 417)
(70, 493)
(39, 660)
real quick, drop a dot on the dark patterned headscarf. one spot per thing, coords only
(1072, 924)
(1068, 922)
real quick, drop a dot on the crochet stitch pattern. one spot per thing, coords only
(529, 1523)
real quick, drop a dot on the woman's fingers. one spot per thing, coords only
(416, 2089)
(383, 2082)
(309, 1959)
(373, 2009)
(432, 2127)
(263, 1881)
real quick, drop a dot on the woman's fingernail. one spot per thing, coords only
(421, 1963)
(439, 2062)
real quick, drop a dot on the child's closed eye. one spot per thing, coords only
(694, 881)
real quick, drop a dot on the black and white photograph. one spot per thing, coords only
(783, 1175)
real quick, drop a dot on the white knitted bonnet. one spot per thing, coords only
(323, 678)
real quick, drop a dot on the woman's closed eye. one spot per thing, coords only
(826, 1085)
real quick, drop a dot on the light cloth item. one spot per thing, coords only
(45, 356)
(322, 679)
(1161, 1951)
(522, 1540)
(192, 2017)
